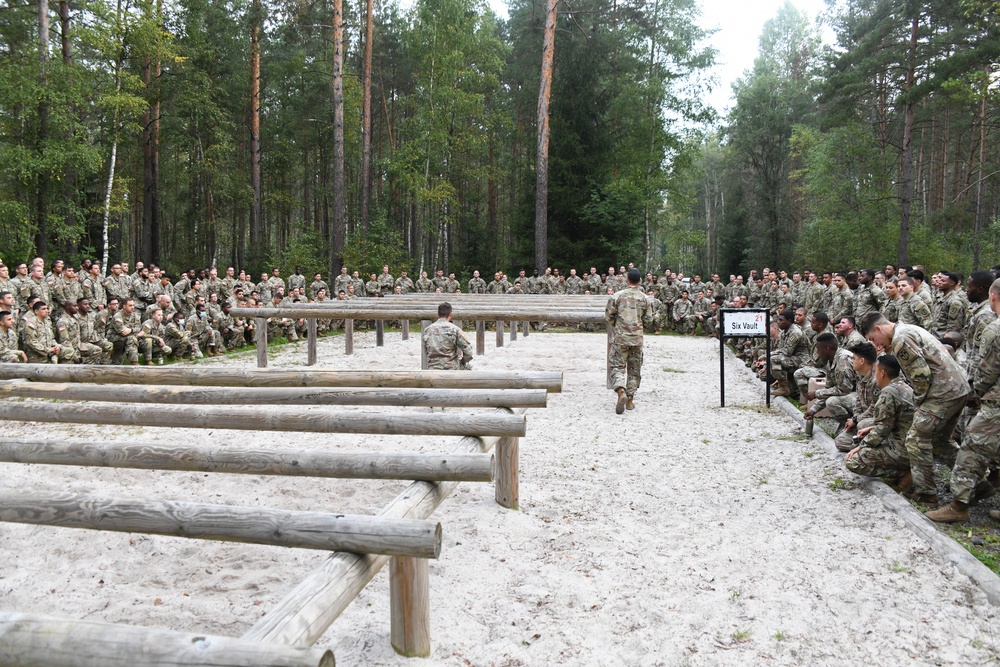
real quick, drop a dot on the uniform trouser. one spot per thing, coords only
(65, 356)
(845, 441)
(781, 368)
(151, 348)
(626, 367)
(685, 324)
(980, 451)
(93, 353)
(888, 460)
(211, 339)
(842, 407)
(804, 374)
(127, 346)
(180, 347)
(933, 424)
(233, 338)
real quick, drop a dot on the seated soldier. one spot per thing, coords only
(847, 335)
(791, 353)
(862, 402)
(8, 340)
(177, 337)
(152, 337)
(837, 368)
(206, 340)
(881, 452)
(683, 314)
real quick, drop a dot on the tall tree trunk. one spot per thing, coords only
(907, 194)
(542, 153)
(366, 123)
(69, 176)
(337, 245)
(256, 212)
(41, 230)
(981, 185)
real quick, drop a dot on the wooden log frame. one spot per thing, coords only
(251, 525)
(396, 312)
(227, 459)
(33, 639)
(310, 608)
(235, 377)
(253, 419)
(367, 396)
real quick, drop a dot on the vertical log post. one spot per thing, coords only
(610, 338)
(423, 349)
(499, 333)
(506, 456)
(526, 327)
(261, 342)
(379, 333)
(513, 331)
(348, 336)
(480, 338)
(410, 606)
(406, 329)
(311, 333)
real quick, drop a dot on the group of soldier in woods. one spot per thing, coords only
(910, 364)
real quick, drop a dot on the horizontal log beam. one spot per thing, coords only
(258, 377)
(251, 419)
(592, 315)
(311, 607)
(369, 396)
(34, 639)
(293, 463)
(249, 525)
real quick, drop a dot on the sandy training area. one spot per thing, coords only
(679, 533)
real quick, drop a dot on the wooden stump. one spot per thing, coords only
(513, 331)
(499, 333)
(406, 330)
(348, 336)
(480, 338)
(410, 606)
(261, 342)
(506, 453)
(526, 327)
(379, 333)
(311, 334)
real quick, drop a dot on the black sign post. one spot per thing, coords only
(744, 323)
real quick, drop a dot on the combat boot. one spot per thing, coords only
(630, 403)
(923, 498)
(903, 484)
(953, 512)
(781, 388)
(620, 405)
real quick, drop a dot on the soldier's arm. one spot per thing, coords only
(988, 369)
(881, 298)
(885, 421)
(611, 311)
(916, 370)
(843, 386)
(923, 314)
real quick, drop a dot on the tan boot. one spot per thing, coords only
(620, 405)
(630, 403)
(903, 484)
(953, 512)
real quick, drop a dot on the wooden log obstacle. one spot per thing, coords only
(401, 534)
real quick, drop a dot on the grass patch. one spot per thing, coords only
(736, 594)
(840, 485)
(809, 454)
(759, 409)
(898, 567)
(741, 636)
(779, 635)
(668, 369)
(792, 438)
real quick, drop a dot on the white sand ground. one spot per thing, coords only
(680, 533)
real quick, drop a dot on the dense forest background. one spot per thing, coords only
(201, 132)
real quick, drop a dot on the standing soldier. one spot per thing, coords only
(477, 285)
(446, 346)
(316, 285)
(893, 301)
(404, 283)
(869, 298)
(423, 284)
(276, 281)
(386, 282)
(627, 313)
(495, 286)
(372, 287)
(574, 284)
(297, 280)
(341, 282)
(439, 281)
(952, 310)
(451, 285)
(939, 391)
(981, 446)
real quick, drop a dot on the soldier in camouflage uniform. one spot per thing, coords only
(69, 287)
(152, 337)
(627, 313)
(893, 302)
(177, 337)
(123, 330)
(297, 281)
(476, 284)
(882, 452)
(862, 402)
(404, 283)
(233, 331)
(790, 353)
(446, 346)
(93, 288)
(68, 333)
(9, 354)
(841, 380)
(981, 447)
(316, 285)
(952, 311)
(683, 315)
(92, 341)
(452, 285)
(869, 297)
(939, 391)
(341, 282)
(206, 340)
(40, 343)
(574, 284)
(423, 284)
(913, 310)
(371, 287)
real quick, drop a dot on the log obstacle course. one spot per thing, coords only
(500, 309)
(401, 534)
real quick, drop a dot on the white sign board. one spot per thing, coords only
(744, 323)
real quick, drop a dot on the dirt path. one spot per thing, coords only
(680, 533)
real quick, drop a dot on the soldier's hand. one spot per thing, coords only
(973, 401)
(811, 395)
(849, 424)
(852, 453)
(862, 432)
(809, 414)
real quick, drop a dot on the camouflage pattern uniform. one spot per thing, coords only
(914, 311)
(882, 451)
(315, 286)
(981, 446)
(386, 283)
(68, 335)
(340, 284)
(683, 315)
(891, 309)
(424, 285)
(443, 342)
(841, 304)
(127, 344)
(90, 339)
(951, 315)
(151, 330)
(9, 352)
(371, 288)
(39, 337)
(939, 391)
(839, 374)
(405, 285)
(869, 299)
(627, 313)
(574, 285)
(178, 339)
(864, 406)
(791, 352)
(477, 286)
(294, 280)
(202, 335)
